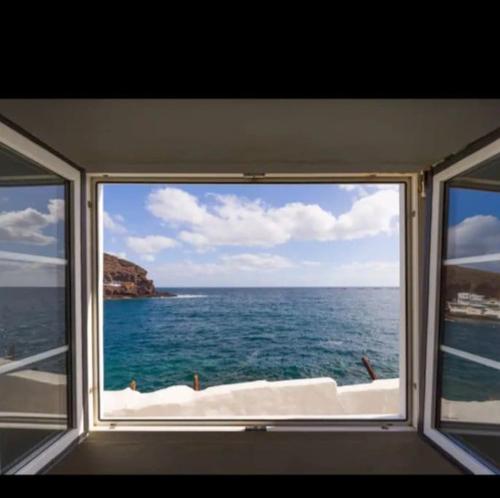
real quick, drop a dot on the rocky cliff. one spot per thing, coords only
(125, 279)
(462, 279)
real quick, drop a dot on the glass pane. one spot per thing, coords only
(16, 170)
(33, 264)
(487, 174)
(473, 222)
(472, 308)
(33, 407)
(469, 387)
(32, 220)
(34, 306)
(485, 445)
(469, 391)
(32, 319)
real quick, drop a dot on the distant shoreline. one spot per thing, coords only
(120, 298)
(465, 318)
(280, 287)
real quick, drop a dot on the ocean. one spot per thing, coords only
(229, 335)
(233, 335)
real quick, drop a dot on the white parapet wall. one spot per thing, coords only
(485, 412)
(377, 397)
(289, 398)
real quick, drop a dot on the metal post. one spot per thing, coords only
(196, 382)
(369, 368)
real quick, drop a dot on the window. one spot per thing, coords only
(244, 301)
(468, 379)
(462, 396)
(35, 372)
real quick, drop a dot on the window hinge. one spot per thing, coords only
(89, 204)
(254, 176)
(256, 428)
(421, 184)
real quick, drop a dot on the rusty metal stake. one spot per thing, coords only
(368, 366)
(196, 382)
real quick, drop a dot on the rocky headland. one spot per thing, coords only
(124, 279)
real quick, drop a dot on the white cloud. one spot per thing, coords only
(474, 236)
(265, 270)
(311, 263)
(56, 210)
(113, 225)
(31, 274)
(121, 254)
(26, 226)
(238, 221)
(349, 186)
(195, 239)
(150, 245)
(386, 186)
(250, 262)
(148, 257)
(228, 270)
(364, 189)
(175, 205)
(366, 274)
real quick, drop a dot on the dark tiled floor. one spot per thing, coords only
(254, 453)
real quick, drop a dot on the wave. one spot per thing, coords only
(190, 296)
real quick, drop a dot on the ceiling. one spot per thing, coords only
(231, 136)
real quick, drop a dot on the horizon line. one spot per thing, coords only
(278, 286)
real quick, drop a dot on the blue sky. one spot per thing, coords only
(242, 235)
(256, 235)
(474, 225)
(32, 220)
(465, 203)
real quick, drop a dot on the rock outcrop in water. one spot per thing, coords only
(123, 279)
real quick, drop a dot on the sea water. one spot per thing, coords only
(230, 335)
(235, 335)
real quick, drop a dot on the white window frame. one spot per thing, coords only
(409, 359)
(33, 152)
(455, 450)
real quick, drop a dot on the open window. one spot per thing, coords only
(40, 313)
(249, 302)
(463, 355)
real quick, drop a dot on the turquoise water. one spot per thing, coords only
(466, 380)
(233, 335)
(229, 335)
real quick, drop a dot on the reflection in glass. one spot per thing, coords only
(472, 308)
(469, 359)
(469, 386)
(33, 407)
(32, 319)
(485, 445)
(33, 265)
(473, 223)
(34, 311)
(485, 175)
(32, 208)
(32, 219)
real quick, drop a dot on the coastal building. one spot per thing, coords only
(475, 306)
(439, 414)
(470, 298)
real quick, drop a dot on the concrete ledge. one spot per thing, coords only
(294, 398)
